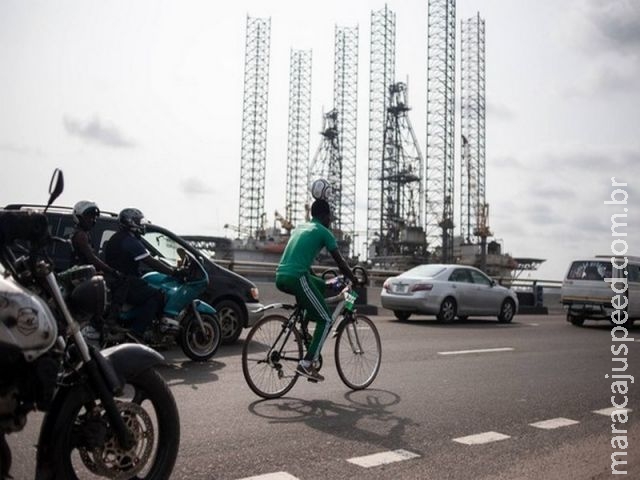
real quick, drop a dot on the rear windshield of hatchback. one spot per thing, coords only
(589, 270)
(425, 271)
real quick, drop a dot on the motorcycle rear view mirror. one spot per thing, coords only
(56, 186)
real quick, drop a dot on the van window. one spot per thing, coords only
(589, 270)
(633, 273)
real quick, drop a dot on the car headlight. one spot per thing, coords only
(255, 293)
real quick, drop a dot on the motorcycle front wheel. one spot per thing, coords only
(197, 344)
(87, 446)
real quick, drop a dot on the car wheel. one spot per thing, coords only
(448, 310)
(402, 316)
(575, 320)
(507, 311)
(231, 320)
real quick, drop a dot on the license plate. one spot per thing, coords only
(401, 289)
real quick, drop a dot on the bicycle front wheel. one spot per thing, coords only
(270, 357)
(358, 352)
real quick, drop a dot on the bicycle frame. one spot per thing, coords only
(345, 306)
(270, 359)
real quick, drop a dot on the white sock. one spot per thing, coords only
(305, 363)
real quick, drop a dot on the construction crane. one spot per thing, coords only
(284, 223)
(483, 231)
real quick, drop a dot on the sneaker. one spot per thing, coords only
(310, 372)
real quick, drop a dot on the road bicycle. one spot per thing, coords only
(276, 344)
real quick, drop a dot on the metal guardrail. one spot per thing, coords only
(376, 277)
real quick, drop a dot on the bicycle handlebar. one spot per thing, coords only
(338, 282)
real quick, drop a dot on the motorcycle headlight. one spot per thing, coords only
(90, 296)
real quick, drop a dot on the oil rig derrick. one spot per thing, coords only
(253, 154)
(472, 119)
(382, 66)
(345, 102)
(298, 135)
(439, 194)
(327, 164)
(400, 230)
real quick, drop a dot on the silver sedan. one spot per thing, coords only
(448, 291)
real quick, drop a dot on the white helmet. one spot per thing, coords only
(84, 207)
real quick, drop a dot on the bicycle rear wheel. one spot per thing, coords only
(270, 357)
(358, 352)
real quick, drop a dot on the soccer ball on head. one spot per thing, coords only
(321, 189)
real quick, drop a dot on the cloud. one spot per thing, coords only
(195, 186)
(499, 111)
(94, 131)
(20, 149)
(505, 162)
(553, 193)
(608, 33)
(591, 161)
(612, 76)
(615, 26)
(543, 214)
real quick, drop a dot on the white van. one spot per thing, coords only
(587, 296)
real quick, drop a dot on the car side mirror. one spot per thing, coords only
(493, 283)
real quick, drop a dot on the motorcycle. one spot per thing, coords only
(107, 413)
(192, 323)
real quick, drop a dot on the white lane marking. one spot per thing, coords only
(481, 350)
(533, 324)
(554, 423)
(272, 476)
(610, 410)
(382, 458)
(480, 438)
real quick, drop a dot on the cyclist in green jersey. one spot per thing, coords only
(294, 276)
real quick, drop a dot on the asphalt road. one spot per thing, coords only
(423, 415)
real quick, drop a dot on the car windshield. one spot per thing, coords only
(165, 245)
(425, 271)
(589, 270)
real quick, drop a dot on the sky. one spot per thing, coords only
(140, 104)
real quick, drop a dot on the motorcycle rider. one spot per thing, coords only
(85, 214)
(123, 252)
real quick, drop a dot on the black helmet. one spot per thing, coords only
(131, 219)
(83, 210)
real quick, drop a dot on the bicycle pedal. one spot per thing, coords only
(312, 380)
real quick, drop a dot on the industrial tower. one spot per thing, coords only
(345, 102)
(441, 48)
(382, 75)
(254, 128)
(472, 113)
(298, 142)
(327, 163)
(401, 232)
